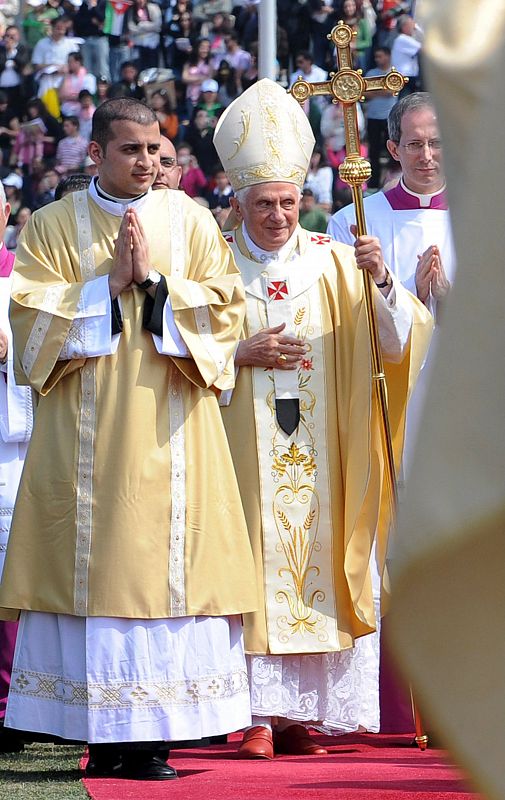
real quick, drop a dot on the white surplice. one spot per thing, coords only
(101, 679)
(404, 234)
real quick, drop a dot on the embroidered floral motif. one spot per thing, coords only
(298, 549)
(294, 468)
(161, 694)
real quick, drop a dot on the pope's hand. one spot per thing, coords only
(270, 348)
(368, 254)
(121, 274)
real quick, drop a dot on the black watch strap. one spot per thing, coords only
(149, 281)
(387, 282)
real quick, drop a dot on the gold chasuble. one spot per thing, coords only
(129, 504)
(312, 499)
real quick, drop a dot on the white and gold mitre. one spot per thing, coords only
(264, 136)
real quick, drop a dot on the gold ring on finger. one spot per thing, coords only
(281, 358)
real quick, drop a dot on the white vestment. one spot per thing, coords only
(404, 234)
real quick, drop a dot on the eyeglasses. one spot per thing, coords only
(417, 147)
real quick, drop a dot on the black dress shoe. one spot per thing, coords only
(146, 766)
(104, 761)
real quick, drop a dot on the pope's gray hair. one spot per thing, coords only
(411, 102)
(241, 194)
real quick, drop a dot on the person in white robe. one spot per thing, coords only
(16, 419)
(295, 422)
(412, 223)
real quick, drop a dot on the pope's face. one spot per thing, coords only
(270, 213)
(421, 165)
(131, 160)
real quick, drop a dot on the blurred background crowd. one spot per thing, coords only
(59, 59)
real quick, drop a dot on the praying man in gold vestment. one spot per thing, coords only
(302, 423)
(129, 571)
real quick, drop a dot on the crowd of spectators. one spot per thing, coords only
(59, 59)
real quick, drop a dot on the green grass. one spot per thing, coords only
(42, 772)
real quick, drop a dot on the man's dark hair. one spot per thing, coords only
(384, 48)
(72, 183)
(306, 54)
(128, 64)
(73, 119)
(411, 102)
(121, 108)
(84, 93)
(77, 56)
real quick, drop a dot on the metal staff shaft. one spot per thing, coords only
(378, 376)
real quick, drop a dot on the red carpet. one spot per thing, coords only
(358, 767)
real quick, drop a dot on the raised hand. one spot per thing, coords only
(424, 272)
(140, 248)
(368, 254)
(440, 285)
(121, 274)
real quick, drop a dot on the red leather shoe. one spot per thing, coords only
(257, 743)
(295, 740)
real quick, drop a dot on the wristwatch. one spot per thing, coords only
(152, 279)
(386, 282)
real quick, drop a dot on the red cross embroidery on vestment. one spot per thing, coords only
(320, 238)
(277, 290)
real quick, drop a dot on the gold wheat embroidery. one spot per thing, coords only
(299, 316)
(245, 121)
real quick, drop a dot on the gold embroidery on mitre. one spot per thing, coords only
(259, 173)
(268, 135)
(245, 121)
(298, 135)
